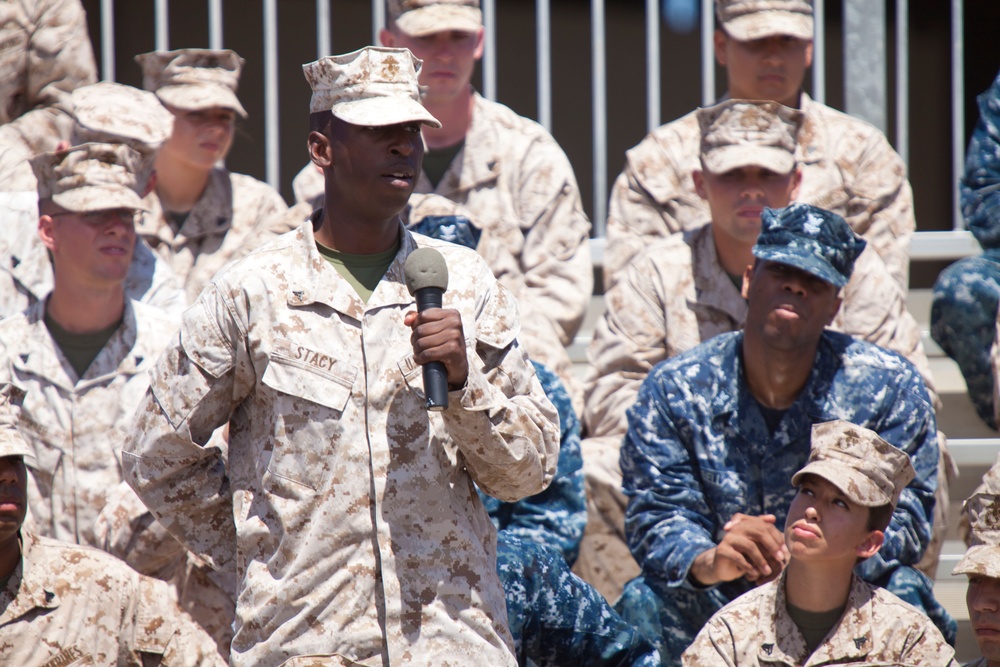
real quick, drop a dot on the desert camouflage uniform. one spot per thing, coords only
(355, 531)
(521, 188)
(674, 296)
(26, 272)
(967, 293)
(698, 451)
(232, 209)
(877, 628)
(71, 605)
(847, 167)
(45, 52)
(76, 425)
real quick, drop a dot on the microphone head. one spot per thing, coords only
(425, 267)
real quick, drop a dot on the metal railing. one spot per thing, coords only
(864, 65)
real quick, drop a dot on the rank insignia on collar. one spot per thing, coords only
(767, 648)
(860, 641)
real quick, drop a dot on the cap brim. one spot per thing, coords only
(194, 97)
(99, 198)
(379, 111)
(727, 158)
(844, 478)
(981, 559)
(12, 444)
(769, 23)
(439, 18)
(808, 263)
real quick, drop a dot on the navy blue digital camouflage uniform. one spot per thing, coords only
(698, 451)
(555, 618)
(967, 293)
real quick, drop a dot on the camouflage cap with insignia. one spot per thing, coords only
(11, 441)
(426, 17)
(747, 20)
(93, 177)
(113, 113)
(193, 79)
(983, 555)
(373, 86)
(742, 133)
(813, 239)
(868, 470)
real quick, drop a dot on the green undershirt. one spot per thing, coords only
(363, 272)
(80, 349)
(437, 161)
(814, 625)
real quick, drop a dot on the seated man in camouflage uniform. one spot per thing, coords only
(64, 604)
(848, 166)
(717, 431)
(981, 564)
(818, 611)
(967, 293)
(684, 289)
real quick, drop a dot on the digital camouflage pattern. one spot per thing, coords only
(426, 17)
(127, 530)
(233, 209)
(76, 425)
(868, 470)
(520, 185)
(967, 293)
(72, 605)
(554, 518)
(93, 177)
(26, 271)
(674, 296)
(698, 451)
(317, 386)
(747, 20)
(877, 628)
(193, 79)
(557, 619)
(46, 53)
(982, 513)
(373, 86)
(848, 167)
(740, 133)
(109, 112)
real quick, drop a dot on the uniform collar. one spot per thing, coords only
(711, 282)
(212, 214)
(27, 584)
(471, 169)
(781, 641)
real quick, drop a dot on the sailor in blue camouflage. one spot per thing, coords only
(967, 293)
(699, 448)
(558, 619)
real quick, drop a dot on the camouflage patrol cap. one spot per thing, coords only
(11, 441)
(869, 470)
(113, 113)
(373, 86)
(741, 133)
(983, 554)
(92, 177)
(426, 17)
(813, 239)
(747, 20)
(193, 79)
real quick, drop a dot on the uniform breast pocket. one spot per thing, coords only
(725, 493)
(308, 398)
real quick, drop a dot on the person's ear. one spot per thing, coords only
(747, 277)
(319, 150)
(699, 183)
(719, 42)
(150, 184)
(46, 231)
(480, 42)
(793, 193)
(809, 54)
(871, 545)
(386, 37)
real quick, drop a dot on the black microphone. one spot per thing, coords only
(427, 278)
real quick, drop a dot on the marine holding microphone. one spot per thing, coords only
(345, 505)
